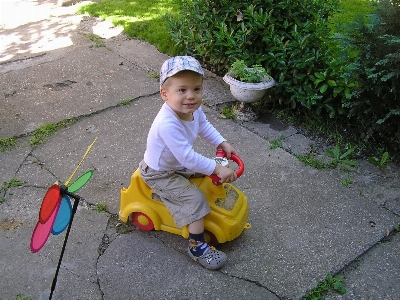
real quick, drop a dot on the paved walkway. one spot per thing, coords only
(305, 222)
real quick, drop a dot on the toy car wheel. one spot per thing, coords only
(142, 221)
(210, 238)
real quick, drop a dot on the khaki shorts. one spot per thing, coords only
(184, 200)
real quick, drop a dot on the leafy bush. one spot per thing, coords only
(376, 102)
(353, 77)
(288, 38)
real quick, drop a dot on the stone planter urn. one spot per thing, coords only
(248, 92)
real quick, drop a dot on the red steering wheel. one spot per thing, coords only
(221, 153)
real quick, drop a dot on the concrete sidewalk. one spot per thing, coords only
(305, 222)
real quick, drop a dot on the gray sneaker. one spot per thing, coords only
(212, 259)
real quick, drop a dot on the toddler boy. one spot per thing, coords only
(170, 160)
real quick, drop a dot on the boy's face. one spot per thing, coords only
(183, 92)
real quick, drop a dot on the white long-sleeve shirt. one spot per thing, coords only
(170, 142)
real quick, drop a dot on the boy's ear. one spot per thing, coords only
(163, 94)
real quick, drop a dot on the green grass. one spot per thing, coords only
(347, 181)
(126, 102)
(6, 143)
(154, 75)
(10, 184)
(41, 134)
(38, 136)
(334, 283)
(350, 10)
(140, 19)
(311, 160)
(98, 41)
(20, 297)
(100, 207)
(277, 143)
(228, 112)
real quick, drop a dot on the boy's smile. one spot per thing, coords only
(183, 92)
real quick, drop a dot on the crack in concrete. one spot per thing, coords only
(81, 117)
(22, 59)
(358, 260)
(257, 283)
(106, 240)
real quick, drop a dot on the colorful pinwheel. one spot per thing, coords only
(56, 212)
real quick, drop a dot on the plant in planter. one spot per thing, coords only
(248, 84)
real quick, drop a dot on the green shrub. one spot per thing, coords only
(351, 77)
(288, 38)
(376, 102)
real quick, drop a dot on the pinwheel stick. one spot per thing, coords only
(64, 191)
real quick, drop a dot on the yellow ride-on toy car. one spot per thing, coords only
(225, 222)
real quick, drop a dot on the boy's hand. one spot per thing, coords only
(228, 148)
(226, 174)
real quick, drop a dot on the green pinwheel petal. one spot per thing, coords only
(80, 182)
